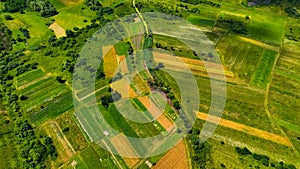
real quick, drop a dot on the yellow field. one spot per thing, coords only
(246, 129)
(110, 63)
(123, 88)
(125, 149)
(71, 2)
(260, 44)
(176, 158)
(197, 67)
(58, 30)
(140, 84)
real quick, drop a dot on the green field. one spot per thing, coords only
(90, 158)
(29, 76)
(259, 45)
(201, 21)
(239, 57)
(264, 69)
(60, 105)
(43, 93)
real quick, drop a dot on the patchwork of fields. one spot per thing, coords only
(262, 76)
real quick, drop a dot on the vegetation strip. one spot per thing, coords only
(243, 128)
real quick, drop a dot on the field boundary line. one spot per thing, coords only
(63, 136)
(115, 159)
(243, 128)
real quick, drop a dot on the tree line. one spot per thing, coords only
(31, 149)
(43, 7)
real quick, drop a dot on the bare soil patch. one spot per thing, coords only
(58, 30)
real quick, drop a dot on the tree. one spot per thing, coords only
(69, 33)
(25, 32)
(8, 17)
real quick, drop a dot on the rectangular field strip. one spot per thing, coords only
(29, 76)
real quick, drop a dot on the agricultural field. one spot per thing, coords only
(34, 75)
(110, 63)
(174, 158)
(140, 87)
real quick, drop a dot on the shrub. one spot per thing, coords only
(8, 17)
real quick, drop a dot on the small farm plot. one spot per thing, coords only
(161, 102)
(283, 99)
(65, 150)
(264, 69)
(99, 84)
(31, 76)
(284, 103)
(46, 92)
(176, 158)
(197, 67)
(123, 64)
(125, 149)
(272, 149)
(122, 48)
(201, 21)
(239, 57)
(157, 113)
(247, 129)
(140, 85)
(110, 63)
(128, 127)
(71, 131)
(58, 30)
(131, 110)
(123, 88)
(267, 27)
(80, 17)
(90, 158)
(62, 104)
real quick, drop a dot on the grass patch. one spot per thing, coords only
(239, 57)
(122, 48)
(201, 21)
(264, 69)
